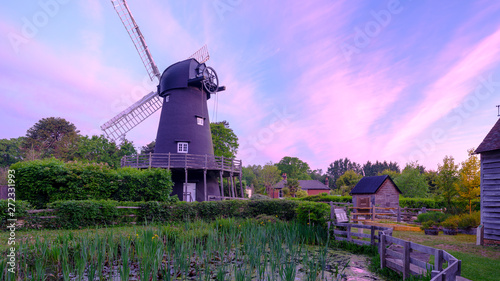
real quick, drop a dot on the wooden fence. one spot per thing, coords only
(400, 255)
(397, 214)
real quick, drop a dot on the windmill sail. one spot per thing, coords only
(133, 30)
(119, 125)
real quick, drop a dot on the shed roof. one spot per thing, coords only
(370, 185)
(305, 185)
(492, 139)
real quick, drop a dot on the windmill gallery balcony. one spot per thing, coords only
(226, 168)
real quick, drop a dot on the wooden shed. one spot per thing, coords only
(380, 191)
(489, 150)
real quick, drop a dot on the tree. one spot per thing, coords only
(148, 148)
(411, 182)
(347, 181)
(340, 166)
(469, 179)
(98, 149)
(53, 136)
(224, 139)
(269, 176)
(374, 169)
(291, 188)
(446, 179)
(294, 168)
(391, 173)
(10, 151)
(431, 178)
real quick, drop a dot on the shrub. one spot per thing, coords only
(45, 181)
(20, 210)
(451, 222)
(323, 197)
(429, 225)
(436, 217)
(313, 213)
(257, 196)
(469, 220)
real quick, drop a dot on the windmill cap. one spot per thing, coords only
(181, 75)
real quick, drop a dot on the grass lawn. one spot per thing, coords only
(478, 262)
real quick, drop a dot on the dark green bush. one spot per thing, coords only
(436, 217)
(45, 181)
(327, 198)
(313, 213)
(469, 220)
(20, 210)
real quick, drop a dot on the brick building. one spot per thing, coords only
(312, 187)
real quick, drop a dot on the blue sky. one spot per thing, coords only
(319, 80)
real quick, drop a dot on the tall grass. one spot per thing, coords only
(225, 249)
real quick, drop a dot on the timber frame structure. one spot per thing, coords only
(226, 167)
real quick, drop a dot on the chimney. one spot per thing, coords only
(326, 181)
(284, 176)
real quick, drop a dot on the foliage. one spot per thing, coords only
(451, 222)
(291, 187)
(224, 139)
(411, 182)
(431, 178)
(347, 181)
(294, 168)
(429, 224)
(340, 166)
(98, 149)
(376, 168)
(469, 220)
(301, 193)
(148, 148)
(323, 197)
(44, 181)
(313, 213)
(257, 196)
(269, 176)
(391, 173)
(468, 185)
(10, 151)
(53, 136)
(436, 217)
(447, 179)
(21, 210)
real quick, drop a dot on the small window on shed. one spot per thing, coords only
(199, 120)
(167, 98)
(182, 147)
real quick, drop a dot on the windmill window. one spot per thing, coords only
(182, 147)
(200, 121)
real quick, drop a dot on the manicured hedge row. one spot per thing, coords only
(44, 181)
(327, 198)
(20, 210)
(90, 213)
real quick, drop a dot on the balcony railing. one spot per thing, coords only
(184, 161)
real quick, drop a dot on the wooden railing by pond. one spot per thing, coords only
(184, 160)
(399, 255)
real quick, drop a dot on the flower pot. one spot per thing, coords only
(431, 231)
(450, 231)
(468, 230)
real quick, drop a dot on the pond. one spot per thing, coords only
(222, 250)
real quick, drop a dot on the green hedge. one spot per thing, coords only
(457, 206)
(90, 213)
(21, 210)
(323, 197)
(161, 212)
(44, 181)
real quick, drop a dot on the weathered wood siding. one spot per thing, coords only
(490, 194)
(387, 196)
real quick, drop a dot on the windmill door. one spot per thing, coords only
(190, 194)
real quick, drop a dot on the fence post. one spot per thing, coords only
(372, 235)
(406, 260)
(381, 250)
(438, 260)
(349, 239)
(373, 212)
(150, 160)
(399, 214)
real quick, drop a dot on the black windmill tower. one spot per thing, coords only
(184, 140)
